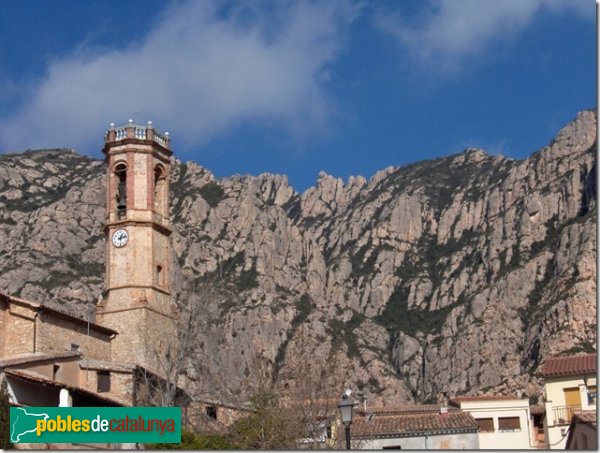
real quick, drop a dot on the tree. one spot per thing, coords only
(311, 388)
(191, 441)
(5, 443)
(174, 381)
(270, 427)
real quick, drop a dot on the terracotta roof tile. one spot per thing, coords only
(35, 377)
(459, 399)
(407, 409)
(21, 359)
(411, 425)
(56, 312)
(570, 365)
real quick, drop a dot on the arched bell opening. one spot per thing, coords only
(160, 190)
(121, 189)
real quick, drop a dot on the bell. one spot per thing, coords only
(121, 198)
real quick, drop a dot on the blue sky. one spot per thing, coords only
(347, 87)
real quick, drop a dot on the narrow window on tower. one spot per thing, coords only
(160, 186)
(159, 276)
(121, 192)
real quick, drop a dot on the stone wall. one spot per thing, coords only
(19, 330)
(142, 334)
(121, 383)
(57, 335)
(211, 416)
(3, 321)
(67, 372)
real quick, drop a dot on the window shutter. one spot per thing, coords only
(509, 423)
(485, 424)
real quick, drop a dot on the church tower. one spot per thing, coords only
(138, 302)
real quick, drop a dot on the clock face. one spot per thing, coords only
(120, 237)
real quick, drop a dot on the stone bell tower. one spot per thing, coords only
(138, 302)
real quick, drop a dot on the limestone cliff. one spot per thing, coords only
(458, 275)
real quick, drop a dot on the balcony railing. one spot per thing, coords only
(139, 132)
(564, 414)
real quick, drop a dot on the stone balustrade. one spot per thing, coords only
(138, 132)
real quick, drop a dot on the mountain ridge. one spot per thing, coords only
(449, 276)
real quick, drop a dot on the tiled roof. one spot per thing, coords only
(587, 417)
(413, 425)
(459, 399)
(35, 377)
(570, 365)
(223, 404)
(56, 312)
(407, 409)
(21, 359)
(106, 365)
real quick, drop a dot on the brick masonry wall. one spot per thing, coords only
(142, 334)
(19, 331)
(3, 317)
(57, 335)
(195, 416)
(121, 384)
(129, 345)
(68, 371)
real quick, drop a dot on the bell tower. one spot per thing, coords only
(138, 302)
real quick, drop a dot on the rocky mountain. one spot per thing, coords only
(445, 277)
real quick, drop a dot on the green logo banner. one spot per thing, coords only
(95, 425)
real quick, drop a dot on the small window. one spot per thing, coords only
(103, 381)
(509, 423)
(485, 424)
(393, 447)
(211, 412)
(55, 370)
(74, 347)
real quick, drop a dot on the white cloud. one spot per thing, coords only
(204, 67)
(447, 33)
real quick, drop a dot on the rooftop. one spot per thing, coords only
(37, 378)
(406, 409)
(483, 398)
(413, 425)
(138, 132)
(570, 365)
(55, 312)
(33, 357)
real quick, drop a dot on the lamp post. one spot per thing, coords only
(345, 408)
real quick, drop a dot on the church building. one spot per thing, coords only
(49, 357)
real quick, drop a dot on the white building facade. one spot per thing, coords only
(504, 421)
(570, 386)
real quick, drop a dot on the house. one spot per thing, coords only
(503, 420)
(570, 386)
(583, 432)
(414, 427)
(45, 348)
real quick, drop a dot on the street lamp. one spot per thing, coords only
(345, 408)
